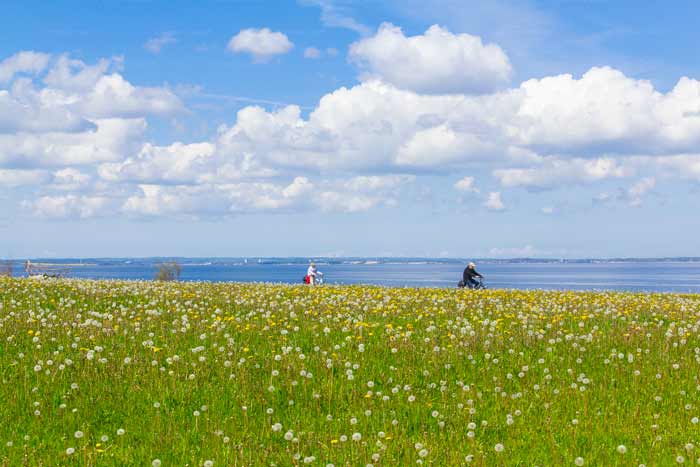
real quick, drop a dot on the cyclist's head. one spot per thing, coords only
(472, 265)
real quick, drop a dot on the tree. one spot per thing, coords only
(169, 271)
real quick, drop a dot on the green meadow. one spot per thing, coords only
(108, 373)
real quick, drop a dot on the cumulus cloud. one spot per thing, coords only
(17, 177)
(493, 202)
(70, 179)
(466, 185)
(156, 44)
(28, 62)
(262, 44)
(636, 192)
(177, 163)
(69, 206)
(312, 52)
(606, 111)
(81, 114)
(301, 194)
(110, 141)
(684, 166)
(78, 133)
(555, 172)
(378, 183)
(435, 62)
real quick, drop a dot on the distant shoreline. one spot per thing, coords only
(366, 260)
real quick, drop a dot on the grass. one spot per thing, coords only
(107, 373)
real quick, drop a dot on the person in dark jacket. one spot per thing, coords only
(469, 274)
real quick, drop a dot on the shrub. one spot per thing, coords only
(168, 271)
(6, 268)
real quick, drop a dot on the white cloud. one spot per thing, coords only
(362, 193)
(466, 185)
(341, 202)
(436, 62)
(336, 16)
(81, 114)
(494, 202)
(548, 210)
(636, 192)
(442, 146)
(606, 111)
(378, 183)
(217, 200)
(69, 179)
(75, 76)
(301, 194)
(28, 62)
(312, 52)
(156, 44)
(16, 177)
(110, 141)
(79, 127)
(262, 44)
(685, 166)
(177, 163)
(114, 96)
(69, 206)
(555, 172)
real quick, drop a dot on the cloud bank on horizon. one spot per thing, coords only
(74, 135)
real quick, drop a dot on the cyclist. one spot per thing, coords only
(468, 276)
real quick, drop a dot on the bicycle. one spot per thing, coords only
(479, 285)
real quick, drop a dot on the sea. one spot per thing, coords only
(664, 275)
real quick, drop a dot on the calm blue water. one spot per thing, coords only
(636, 276)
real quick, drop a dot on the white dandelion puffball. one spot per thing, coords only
(155, 463)
(498, 448)
(622, 449)
(208, 463)
(579, 461)
(70, 451)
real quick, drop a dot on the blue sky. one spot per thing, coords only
(318, 127)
